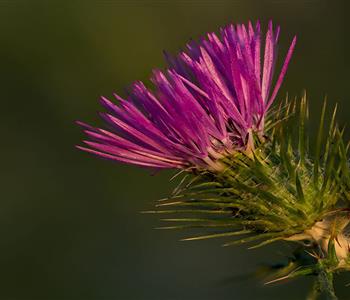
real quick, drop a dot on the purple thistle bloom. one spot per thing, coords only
(208, 104)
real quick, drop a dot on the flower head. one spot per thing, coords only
(208, 104)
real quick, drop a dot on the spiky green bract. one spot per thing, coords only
(270, 193)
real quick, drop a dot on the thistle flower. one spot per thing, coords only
(208, 104)
(208, 115)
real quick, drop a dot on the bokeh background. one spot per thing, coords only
(70, 226)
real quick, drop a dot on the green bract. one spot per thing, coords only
(282, 189)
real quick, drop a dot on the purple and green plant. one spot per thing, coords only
(249, 169)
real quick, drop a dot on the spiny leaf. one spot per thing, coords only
(302, 119)
(190, 220)
(206, 225)
(318, 144)
(333, 151)
(197, 203)
(217, 235)
(301, 271)
(204, 185)
(299, 188)
(253, 238)
(176, 175)
(330, 135)
(178, 188)
(200, 211)
(264, 243)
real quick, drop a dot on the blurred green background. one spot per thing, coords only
(70, 226)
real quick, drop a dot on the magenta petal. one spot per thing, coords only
(282, 74)
(202, 107)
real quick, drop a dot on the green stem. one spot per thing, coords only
(315, 291)
(323, 285)
(325, 280)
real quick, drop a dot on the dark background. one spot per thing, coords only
(70, 226)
